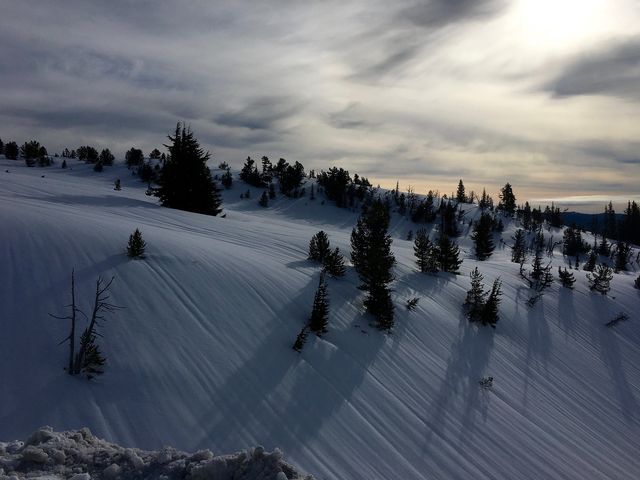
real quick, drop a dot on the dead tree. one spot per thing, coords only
(72, 317)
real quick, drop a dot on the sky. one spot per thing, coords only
(544, 94)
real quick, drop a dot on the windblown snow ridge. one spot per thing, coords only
(79, 455)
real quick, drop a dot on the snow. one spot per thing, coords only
(80, 455)
(200, 357)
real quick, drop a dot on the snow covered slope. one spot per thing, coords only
(201, 355)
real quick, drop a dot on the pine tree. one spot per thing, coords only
(622, 256)
(448, 255)
(116, 185)
(507, 200)
(185, 180)
(98, 167)
(264, 199)
(566, 278)
(136, 246)
(372, 259)
(460, 194)
(590, 264)
(106, 157)
(319, 246)
(320, 312)
(600, 279)
(64, 164)
(605, 247)
(272, 191)
(301, 339)
(334, 263)
(482, 237)
(637, 283)
(226, 179)
(475, 300)
(423, 251)
(489, 313)
(518, 250)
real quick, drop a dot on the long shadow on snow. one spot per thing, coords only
(470, 354)
(275, 385)
(566, 309)
(612, 357)
(539, 343)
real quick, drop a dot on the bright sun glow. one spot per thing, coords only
(561, 23)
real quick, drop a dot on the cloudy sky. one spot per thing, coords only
(544, 94)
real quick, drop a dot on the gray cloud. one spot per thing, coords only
(612, 71)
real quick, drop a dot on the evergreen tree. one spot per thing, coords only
(155, 154)
(30, 151)
(185, 180)
(566, 278)
(301, 339)
(489, 313)
(312, 196)
(64, 164)
(319, 246)
(272, 191)
(1, 147)
(264, 199)
(637, 283)
(116, 185)
(250, 173)
(334, 263)
(460, 194)
(372, 259)
(519, 248)
(507, 200)
(423, 251)
(448, 255)
(134, 157)
(605, 247)
(136, 245)
(622, 256)
(610, 222)
(590, 264)
(320, 313)
(600, 279)
(106, 157)
(482, 237)
(475, 300)
(226, 179)
(92, 361)
(98, 167)
(11, 151)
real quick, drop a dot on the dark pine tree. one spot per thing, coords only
(448, 255)
(423, 251)
(476, 296)
(226, 179)
(489, 313)
(566, 278)
(319, 319)
(507, 200)
(519, 248)
(319, 246)
(461, 197)
(334, 263)
(136, 245)
(134, 157)
(482, 237)
(623, 250)
(11, 150)
(590, 264)
(600, 279)
(372, 259)
(185, 180)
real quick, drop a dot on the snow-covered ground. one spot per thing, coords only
(201, 358)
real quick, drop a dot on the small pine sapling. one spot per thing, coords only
(600, 278)
(116, 185)
(334, 263)
(412, 303)
(489, 314)
(592, 259)
(64, 164)
(566, 278)
(474, 302)
(136, 246)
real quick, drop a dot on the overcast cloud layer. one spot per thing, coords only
(544, 94)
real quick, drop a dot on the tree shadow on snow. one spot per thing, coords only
(470, 354)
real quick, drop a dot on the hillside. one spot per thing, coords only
(200, 357)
